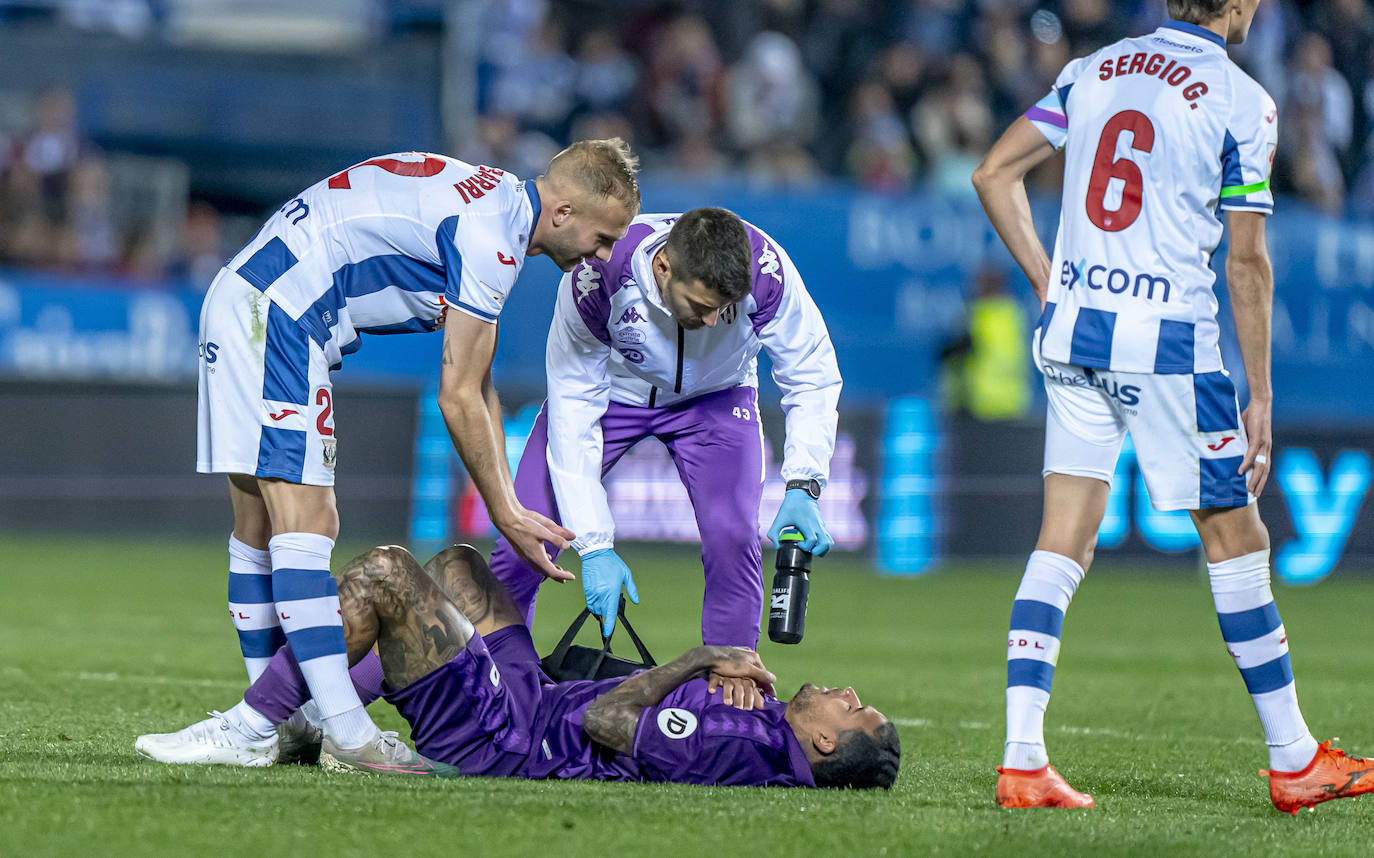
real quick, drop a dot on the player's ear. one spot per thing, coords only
(562, 210)
(823, 741)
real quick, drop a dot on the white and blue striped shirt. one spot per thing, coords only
(388, 246)
(1159, 133)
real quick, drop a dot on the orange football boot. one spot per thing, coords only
(1331, 774)
(1042, 787)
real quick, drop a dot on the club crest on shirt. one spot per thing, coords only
(676, 723)
(331, 452)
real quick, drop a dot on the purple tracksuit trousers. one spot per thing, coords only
(717, 445)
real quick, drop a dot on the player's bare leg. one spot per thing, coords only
(389, 601)
(463, 575)
(1301, 772)
(386, 601)
(1068, 535)
(1073, 511)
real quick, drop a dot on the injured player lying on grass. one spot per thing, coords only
(454, 657)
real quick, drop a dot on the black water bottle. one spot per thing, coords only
(787, 607)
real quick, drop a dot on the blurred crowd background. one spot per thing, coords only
(892, 96)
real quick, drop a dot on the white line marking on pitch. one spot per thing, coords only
(1072, 730)
(157, 680)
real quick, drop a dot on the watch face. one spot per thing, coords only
(811, 487)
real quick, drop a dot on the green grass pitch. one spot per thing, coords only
(102, 640)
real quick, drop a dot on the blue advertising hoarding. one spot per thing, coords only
(890, 274)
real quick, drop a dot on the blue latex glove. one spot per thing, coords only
(803, 512)
(603, 574)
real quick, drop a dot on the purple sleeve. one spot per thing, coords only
(769, 275)
(691, 737)
(592, 299)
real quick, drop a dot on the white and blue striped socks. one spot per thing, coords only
(1257, 641)
(1037, 615)
(251, 607)
(307, 602)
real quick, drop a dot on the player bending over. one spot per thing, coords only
(461, 668)
(1160, 131)
(662, 341)
(406, 243)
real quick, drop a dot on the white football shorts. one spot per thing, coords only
(264, 405)
(1186, 429)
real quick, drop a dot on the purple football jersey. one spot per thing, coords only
(692, 737)
(492, 711)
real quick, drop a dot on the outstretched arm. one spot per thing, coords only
(611, 719)
(466, 399)
(1000, 182)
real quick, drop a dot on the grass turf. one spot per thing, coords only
(103, 640)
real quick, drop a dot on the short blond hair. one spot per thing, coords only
(603, 167)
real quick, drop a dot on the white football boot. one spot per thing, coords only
(214, 741)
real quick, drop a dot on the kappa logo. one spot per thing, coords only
(631, 316)
(769, 264)
(676, 723)
(1222, 443)
(588, 281)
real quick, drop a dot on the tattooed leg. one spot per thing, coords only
(387, 599)
(463, 575)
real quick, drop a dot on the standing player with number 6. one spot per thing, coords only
(402, 243)
(1160, 131)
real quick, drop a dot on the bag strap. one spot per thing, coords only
(644, 655)
(560, 652)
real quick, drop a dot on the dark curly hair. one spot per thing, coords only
(861, 760)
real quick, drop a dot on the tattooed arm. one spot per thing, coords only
(611, 719)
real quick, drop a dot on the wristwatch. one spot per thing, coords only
(811, 487)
